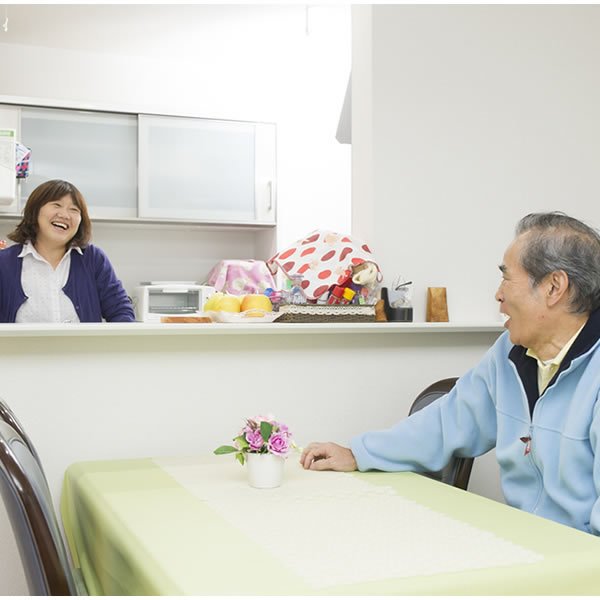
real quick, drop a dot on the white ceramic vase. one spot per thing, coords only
(264, 470)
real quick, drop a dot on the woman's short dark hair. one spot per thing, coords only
(55, 189)
(558, 242)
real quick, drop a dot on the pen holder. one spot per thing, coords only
(403, 314)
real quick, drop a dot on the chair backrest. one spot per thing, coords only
(29, 506)
(458, 470)
(8, 416)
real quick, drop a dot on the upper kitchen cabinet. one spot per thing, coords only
(145, 168)
(207, 170)
(97, 151)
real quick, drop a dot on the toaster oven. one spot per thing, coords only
(156, 299)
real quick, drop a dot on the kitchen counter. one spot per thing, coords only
(96, 391)
(12, 330)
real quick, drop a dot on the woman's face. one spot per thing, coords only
(58, 222)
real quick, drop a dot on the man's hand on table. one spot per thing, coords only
(328, 457)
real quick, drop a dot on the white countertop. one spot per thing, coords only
(139, 329)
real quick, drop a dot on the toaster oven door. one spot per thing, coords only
(173, 302)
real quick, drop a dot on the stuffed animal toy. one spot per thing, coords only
(366, 274)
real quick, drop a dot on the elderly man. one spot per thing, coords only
(535, 394)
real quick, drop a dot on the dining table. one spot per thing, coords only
(192, 525)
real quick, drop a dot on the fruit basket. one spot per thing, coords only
(325, 313)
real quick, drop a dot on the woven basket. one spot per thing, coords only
(325, 313)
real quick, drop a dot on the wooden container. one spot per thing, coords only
(437, 305)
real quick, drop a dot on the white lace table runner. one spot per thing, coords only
(333, 528)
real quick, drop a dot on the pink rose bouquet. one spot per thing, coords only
(260, 435)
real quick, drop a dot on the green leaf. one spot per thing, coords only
(240, 457)
(242, 441)
(225, 450)
(265, 431)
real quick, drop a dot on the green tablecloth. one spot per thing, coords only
(133, 529)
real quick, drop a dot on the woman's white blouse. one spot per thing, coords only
(46, 302)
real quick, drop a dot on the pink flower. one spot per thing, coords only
(254, 439)
(267, 418)
(281, 428)
(278, 444)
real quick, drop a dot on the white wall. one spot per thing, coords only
(466, 118)
(264, 68)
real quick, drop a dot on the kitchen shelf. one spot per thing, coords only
(21, 330)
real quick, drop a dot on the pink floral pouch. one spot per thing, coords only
(241, 277)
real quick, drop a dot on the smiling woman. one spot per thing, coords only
(52, 274)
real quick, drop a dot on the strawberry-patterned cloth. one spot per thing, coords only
(323, 258)
(241, 277)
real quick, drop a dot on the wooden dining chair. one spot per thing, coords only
(29, 507)
(8, 416)
(458, 471)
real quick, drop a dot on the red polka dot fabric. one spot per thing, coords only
(322, 258)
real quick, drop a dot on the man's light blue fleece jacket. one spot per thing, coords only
(495, 405)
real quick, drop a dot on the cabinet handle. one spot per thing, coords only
(270, 184)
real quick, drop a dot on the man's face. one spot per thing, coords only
(524, 304)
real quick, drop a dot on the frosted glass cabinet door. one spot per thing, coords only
(9, 134)
(206, 170)
(95, 151)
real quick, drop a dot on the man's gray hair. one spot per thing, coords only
(561, 243)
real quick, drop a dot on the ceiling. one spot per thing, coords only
(145, 29)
